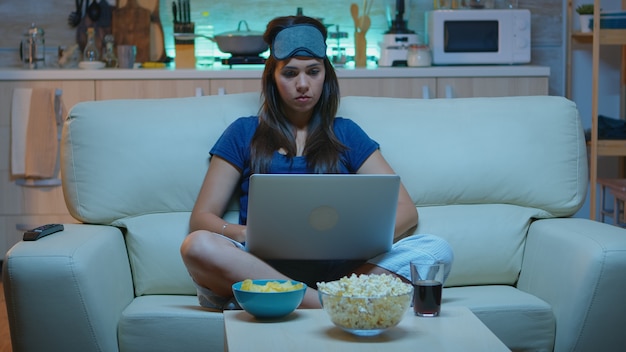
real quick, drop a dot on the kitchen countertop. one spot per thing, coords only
(254, 72)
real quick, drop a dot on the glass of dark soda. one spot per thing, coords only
(427, 280)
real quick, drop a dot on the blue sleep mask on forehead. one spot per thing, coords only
(299, 40)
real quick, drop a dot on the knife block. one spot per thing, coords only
(185, 48)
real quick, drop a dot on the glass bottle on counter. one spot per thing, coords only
(91, 51)
(109, 58)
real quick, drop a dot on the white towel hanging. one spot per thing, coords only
(20, 109)
(21, 112)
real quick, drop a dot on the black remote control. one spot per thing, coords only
(42, 231)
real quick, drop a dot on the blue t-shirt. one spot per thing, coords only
(234, 147)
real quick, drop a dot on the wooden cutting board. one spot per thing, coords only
(157, 40)
(131, 26)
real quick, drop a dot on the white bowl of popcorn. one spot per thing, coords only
(365, 305)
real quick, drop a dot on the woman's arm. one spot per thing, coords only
(217, 189)
(406, 215)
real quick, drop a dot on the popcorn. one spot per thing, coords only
(366, 302)
(365, 286)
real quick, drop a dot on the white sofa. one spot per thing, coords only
(496, 177)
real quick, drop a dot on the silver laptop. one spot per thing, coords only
(321, 217)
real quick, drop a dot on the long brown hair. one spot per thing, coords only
(322, 148)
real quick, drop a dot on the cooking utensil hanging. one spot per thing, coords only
(94, 10)
(74, 19)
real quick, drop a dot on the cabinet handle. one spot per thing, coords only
(425, 92)
(199, 91)
(449, 92)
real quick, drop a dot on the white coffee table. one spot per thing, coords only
(456, 329)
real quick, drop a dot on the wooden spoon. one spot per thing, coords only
(354, 11)
(366, 23)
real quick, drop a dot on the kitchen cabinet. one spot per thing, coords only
(27, 207)
(451, 87)
(466, 87)
(448, 87)
(391, 87)
(600, 37)
(144, 89)
(232, 86)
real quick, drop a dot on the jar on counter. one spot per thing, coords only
(32, 48)
(418, 55)
(109, 58)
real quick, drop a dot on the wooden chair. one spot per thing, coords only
(617, 188)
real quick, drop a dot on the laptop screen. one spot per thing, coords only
(321, 216)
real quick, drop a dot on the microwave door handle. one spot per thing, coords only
(425, 92)
(449, 92)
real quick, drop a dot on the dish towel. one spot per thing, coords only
(34, 135)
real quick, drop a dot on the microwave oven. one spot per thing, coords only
(479, 37)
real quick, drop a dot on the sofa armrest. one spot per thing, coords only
(66, 291)
(578, 266)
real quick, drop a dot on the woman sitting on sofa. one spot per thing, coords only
(297, 132)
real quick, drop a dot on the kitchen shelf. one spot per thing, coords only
(607, 147)
(616, 148)
(612, 36)
(582, 37)
(607, 37)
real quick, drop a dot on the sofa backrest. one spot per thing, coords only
(527, 151)
(479, 170)
(122, 158)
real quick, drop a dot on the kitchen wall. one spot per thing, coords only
(224, 16)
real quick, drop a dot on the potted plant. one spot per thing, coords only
(585, 14)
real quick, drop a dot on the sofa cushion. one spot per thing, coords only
(153, 242)
(522, 321)
(488, 239)
(170, 323)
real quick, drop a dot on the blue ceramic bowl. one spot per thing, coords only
(268, 305)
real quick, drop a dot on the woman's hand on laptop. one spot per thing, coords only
(234, 231)
(244, 234)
